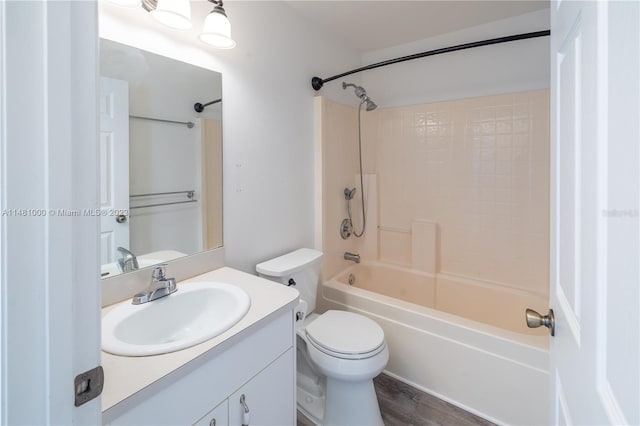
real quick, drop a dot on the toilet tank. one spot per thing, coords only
(302, 266)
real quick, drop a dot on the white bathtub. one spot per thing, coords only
(500, 374)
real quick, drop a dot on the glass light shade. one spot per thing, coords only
(174, 14)
(125, 3)
(217, 31)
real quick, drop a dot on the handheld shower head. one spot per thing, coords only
(349, 193)
(347, 224)
(362, 94)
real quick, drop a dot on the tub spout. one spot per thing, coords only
(354, 257)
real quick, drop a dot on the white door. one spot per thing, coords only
(114, 167)
(595, 357)
(49, 285)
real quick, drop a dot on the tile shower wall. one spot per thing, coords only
(336, 161)
(471, 175)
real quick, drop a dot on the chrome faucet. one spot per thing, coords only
(128, 262)
(160, 286)
(354, 257)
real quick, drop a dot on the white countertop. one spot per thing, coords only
(125, 376)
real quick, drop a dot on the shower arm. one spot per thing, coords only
(200, 107)
(317, 82)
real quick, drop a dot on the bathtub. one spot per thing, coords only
(462, 341)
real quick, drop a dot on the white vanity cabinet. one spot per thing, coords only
(268, 399)
(268, 396)
(258, 362)
(219, 416)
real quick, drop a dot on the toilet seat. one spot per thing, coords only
(345, 335)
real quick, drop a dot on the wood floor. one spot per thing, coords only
(403, 405)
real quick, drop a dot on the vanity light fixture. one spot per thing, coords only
(126, 3)
(217, 28)
(174, 14)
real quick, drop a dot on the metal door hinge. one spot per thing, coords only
(88, 385)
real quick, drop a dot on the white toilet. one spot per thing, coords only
(338, 353)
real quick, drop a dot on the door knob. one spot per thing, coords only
(535, 320)
(121, 218)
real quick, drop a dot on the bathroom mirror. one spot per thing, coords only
(160, 159)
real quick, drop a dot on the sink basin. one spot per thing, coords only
(197, 312)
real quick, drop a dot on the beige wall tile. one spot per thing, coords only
(339, 164)
(423, 246)
(395, 246)
(479, 169)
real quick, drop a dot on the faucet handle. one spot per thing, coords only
(159, 272)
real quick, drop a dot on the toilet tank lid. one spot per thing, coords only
(289, 263)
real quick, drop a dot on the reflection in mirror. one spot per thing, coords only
(160, 159)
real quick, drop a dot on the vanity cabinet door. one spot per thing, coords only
(219, 416)
(269, 396)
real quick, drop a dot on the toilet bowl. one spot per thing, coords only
(346, 346)
(339, 353)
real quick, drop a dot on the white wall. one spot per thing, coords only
(268, 130)
(489, 70)
(267, 116)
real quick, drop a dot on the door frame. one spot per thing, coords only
(50, 289)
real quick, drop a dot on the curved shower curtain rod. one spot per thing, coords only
(317, 82)
(200, 107)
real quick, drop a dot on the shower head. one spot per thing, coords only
(362, 94)
(349, 193)
(370, 105)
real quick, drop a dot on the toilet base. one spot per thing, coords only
(323, 394)
(351, 404)
(310, 392)
(312, 406)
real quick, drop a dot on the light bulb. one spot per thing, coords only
(125, 3)
(174, 14)
(217, 30)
